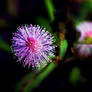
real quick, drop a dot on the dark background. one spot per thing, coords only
(24, 12)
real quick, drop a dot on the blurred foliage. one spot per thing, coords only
(87, 40)
(4, 46)
(24, 81)
(63, 48)
(90, 3)
(77, 23)
(32, 80)
(75, 76)
(56, 39)
(84, 11)
(43, 22)
(50, 9)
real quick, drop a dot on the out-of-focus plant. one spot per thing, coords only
(75, 76)
(84, 10)
(31, 81)
(50, 9)
(4, 46)
(63, 48)
(43, 22)
(62, 40)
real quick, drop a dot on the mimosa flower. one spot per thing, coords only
(33, 46)
(85, 40)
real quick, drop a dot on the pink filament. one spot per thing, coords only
(33, 45)
(88, 34)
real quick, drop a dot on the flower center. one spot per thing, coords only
(88, 34)
(33, 45)
(88, 37)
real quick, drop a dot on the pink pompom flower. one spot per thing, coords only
(33, 46)
(85, 40)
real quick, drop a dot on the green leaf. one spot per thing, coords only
(34, 80)
(4, 46)
(74, 76)
(43, 22)
(50, 9)
(85, 9)
(56, 39)
(63, 48)
(24, 81)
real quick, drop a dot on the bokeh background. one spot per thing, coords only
(58, 16)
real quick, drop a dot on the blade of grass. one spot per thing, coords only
(38, 79)
(63, 48)
(50, 9)
(33, 80)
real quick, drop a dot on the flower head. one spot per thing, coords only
(85, 40)
(33, 45)
(85, 29)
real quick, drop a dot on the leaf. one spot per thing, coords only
(63, 48)
(74, 76)
(56, 39)
(85, 9)
(4, 46)
(43, 22)
(50, 9)
(33, 80)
